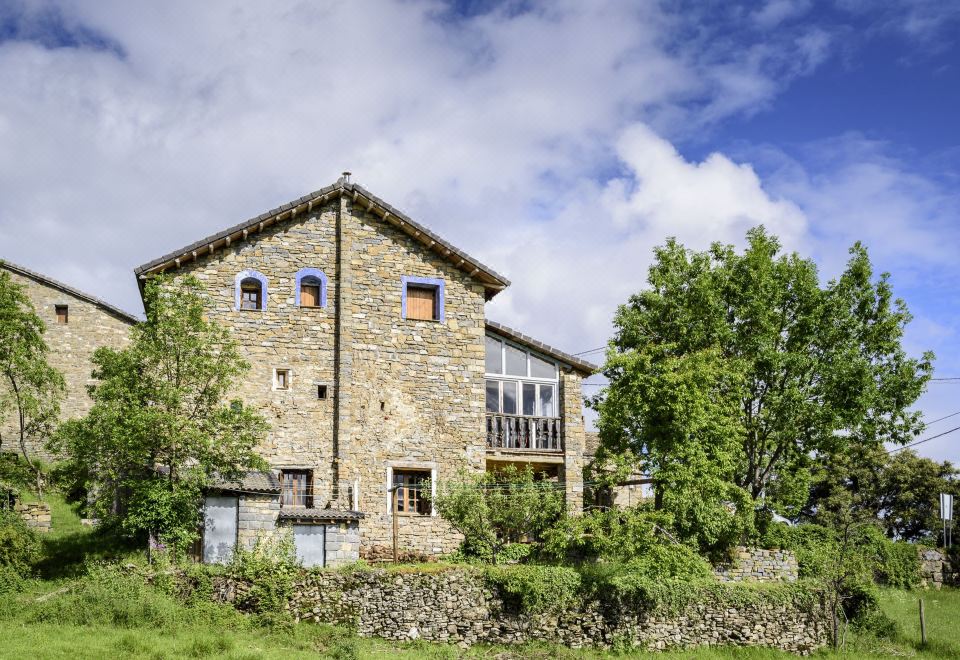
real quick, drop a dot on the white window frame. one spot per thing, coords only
(520, 380)
(412, 466)
(276, 387)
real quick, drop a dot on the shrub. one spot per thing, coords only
(617, 534)
(19, 545)
(269, 569)
(532, 588)
(11, 581)
(495, 509)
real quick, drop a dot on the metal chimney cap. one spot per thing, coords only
(345, 177)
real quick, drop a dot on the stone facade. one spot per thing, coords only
(756, 565)
(455, 606)
(90, 325)
(403, 394)
(256, 518)
(36, 515)
(936, 569)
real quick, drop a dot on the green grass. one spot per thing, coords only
(63, 615)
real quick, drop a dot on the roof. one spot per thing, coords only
(251, 482)
(492, 281)
(584, 367)
(319, 514)
(76, 293)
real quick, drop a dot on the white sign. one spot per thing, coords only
(946, 506)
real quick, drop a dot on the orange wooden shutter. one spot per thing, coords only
(309, 296)
(421, 302)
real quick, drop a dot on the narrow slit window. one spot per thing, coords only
(281, 379)
(63, 316)
(321, 392)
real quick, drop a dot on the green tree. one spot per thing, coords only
(496, 509)
(161, 425)
(31, 390)
(900, 490)
(732, 370)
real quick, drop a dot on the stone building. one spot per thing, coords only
(378, 372)
(76, 325)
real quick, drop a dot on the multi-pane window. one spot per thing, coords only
(297, 488)
(412, 493)
(62, 314)
(251, 294)
(421, 302)
(519, 382)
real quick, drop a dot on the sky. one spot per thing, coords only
(558, 142)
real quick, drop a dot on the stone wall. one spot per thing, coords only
(936, 569)
(256, 518)
(403, 393)
(455, 606)
(756, 565)
(35, 514)
(71, 345)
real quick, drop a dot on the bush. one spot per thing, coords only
(19, 545)
(11, 581)
(613, 534)
(269, 569)
(531, 588)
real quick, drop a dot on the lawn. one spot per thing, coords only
(51, 620)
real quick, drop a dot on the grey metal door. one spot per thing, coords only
(219, 528)
(310, 541)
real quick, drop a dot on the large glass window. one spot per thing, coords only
(516, 361)
(509, 397)
(519, 382)
(494, 356)
(493, 396)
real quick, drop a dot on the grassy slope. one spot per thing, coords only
(70, 544)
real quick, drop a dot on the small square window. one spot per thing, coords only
(422, 303)
(412, 492)
(62, 314)
(281, 379)
(321, 391)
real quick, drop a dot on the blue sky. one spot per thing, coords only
(558, 142)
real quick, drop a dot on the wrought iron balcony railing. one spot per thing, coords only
(519, 432)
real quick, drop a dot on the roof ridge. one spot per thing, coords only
(66, 288)
(496, 281)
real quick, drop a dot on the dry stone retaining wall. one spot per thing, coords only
(455, 606)
(936, 570)
(755, 565)
(36, 515)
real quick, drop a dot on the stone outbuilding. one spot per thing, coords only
(76, 325)
(379, 375)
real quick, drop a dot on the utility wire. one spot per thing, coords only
(920, 442)
(592, 350)
(940, 419)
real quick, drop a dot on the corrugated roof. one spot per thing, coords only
(49, 281)
(252, 482)
(315, 515)
(582, 366)
(493, 280)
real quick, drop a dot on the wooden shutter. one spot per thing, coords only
(62, 316)
(309, 295)
(421, 303)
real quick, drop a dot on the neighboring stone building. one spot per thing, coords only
(376, 368)
(76, 325)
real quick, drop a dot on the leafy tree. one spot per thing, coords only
(161, 426)
(900, 490)
(31, 390)
(495, 509)
(732, 370)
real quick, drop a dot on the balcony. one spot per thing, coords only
(516, 432)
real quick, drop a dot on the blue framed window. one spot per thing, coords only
(250, 291)
(421, 298)
(310, 288)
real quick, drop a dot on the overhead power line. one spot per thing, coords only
(920, 442)
(940, 419)
(592, 350)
